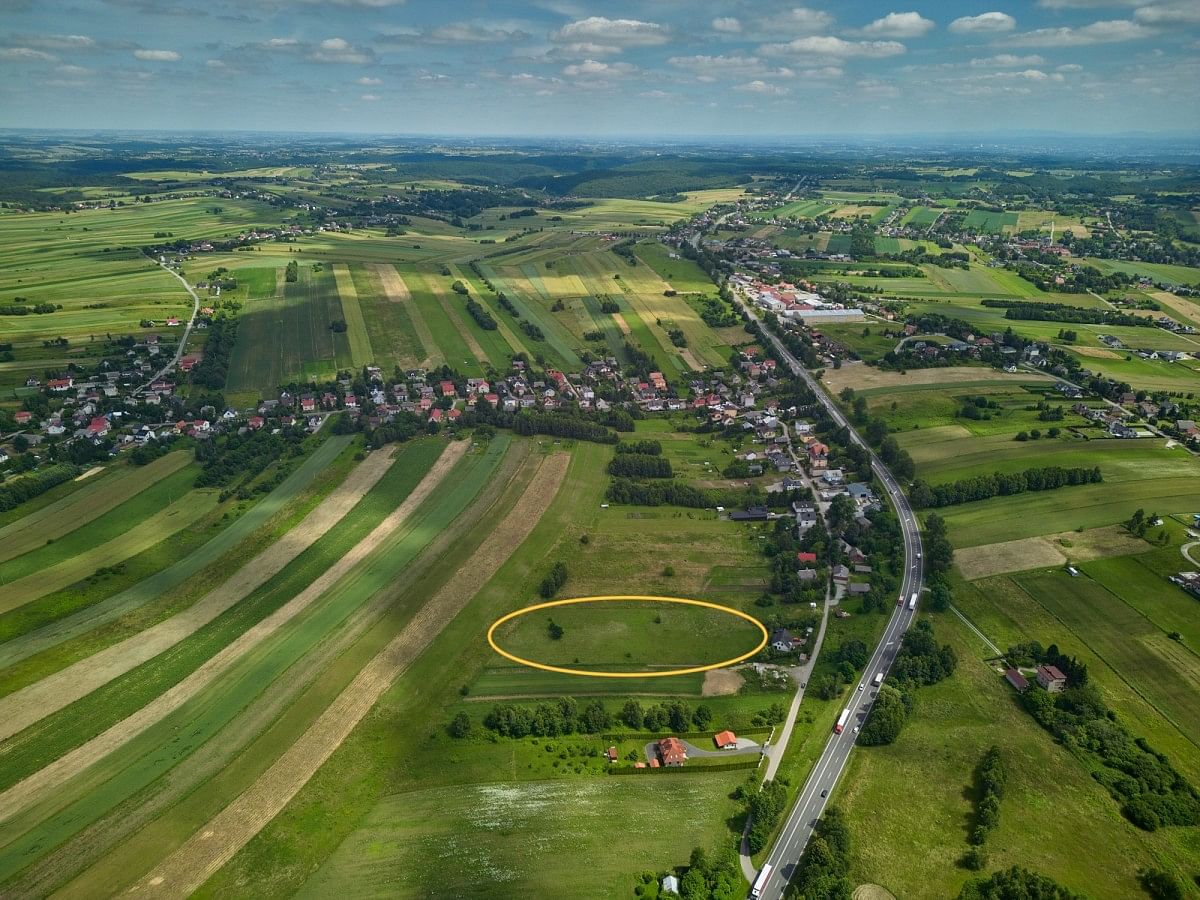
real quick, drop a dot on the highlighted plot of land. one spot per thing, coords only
(627, 636)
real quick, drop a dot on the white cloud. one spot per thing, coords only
(798, 20)
(729, 66)
(823, 72)
(339, 50)
(214, 64)
(873, 87)
(594, 69)
(157, 55)
(655, 95)
(827, 45)
(73, 70)
(369, 82)
(762, 87)
(280, 43)
(727, 25)
(1069, 67)
(58, 41)
(1186, 12)
(27, 54)
(370, 98)
(984, 23)
(470, 33)
(613, 32)
(1007, 60)
(1107, 32)
(900, 25)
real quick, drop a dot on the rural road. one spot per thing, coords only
(187, 332)
(785, 855)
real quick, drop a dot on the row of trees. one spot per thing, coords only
(213, 368)
(644, 447)
(239, 457)
(563, 716)
(1151, 792)
(17, 491)
(479, 313)
(554, 581)
(639, 465)
(1001, 484)
(990, 779)
(765, 805)
(920, 662)
(667, 493)
(823, 870)
(529, 422)
(675, 715)
(1061, 312)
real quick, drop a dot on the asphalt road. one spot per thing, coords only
(785, 855)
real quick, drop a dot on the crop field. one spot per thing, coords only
(1164, 272)
(921, 216)
(1087, 620)
(803, 209)
(288, 338)
(293, 640)
(983, 220)
(94, 497)
(932, 765)
(65, 627)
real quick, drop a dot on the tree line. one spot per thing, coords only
(529, 422)
(563, 716)
(1152, 793)
(639, 465)
(15, 492)
(1001, 484)
(990, 778)
(1062, 312)
(667, 493)
(213, 368)
(644, 447)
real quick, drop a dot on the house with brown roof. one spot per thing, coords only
(1017, 680)
(671, 751)
(1051, 678)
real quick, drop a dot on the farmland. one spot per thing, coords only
(243, 632)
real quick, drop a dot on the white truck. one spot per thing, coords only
(842, 720)
(760, 882)
(878, 679)
(912, 601)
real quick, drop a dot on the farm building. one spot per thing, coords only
(1017, 680)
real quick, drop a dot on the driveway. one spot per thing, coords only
(744, 746)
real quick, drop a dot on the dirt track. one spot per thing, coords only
(36, 785)
(215, 843)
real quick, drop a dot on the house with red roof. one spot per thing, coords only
(671, 751)
(725, 740)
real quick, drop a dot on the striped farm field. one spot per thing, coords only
(357, 335)
(62, 628)
(558, 347)
(445, 328)
(393, 335)
(94, 497)
(345, 611)
(136, 525)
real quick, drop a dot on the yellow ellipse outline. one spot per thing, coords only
(622, 597)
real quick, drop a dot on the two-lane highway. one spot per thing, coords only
(798, 828)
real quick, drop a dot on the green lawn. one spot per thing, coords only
(604, 636)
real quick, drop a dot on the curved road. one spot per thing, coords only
(187, 332)
(793, 838)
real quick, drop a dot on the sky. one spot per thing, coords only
(577, 68)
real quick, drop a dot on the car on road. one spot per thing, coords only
(825, 793)
(862, 686)
(856, 729)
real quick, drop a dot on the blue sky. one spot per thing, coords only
(572, 67)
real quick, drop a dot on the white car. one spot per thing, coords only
(856, 729)
(862, 686)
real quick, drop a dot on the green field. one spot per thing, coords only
(604, 636)
(983, 220)
(932, 766)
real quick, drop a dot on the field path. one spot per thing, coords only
(142, 536)
(464, 332)
(88, 503)
(397, 291)
(213, 845)
(35, 786)
(24, 707)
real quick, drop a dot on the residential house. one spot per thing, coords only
(859, 589)
(725, 740)
(671, 751)
(784, 641)
(1051, 678)
(841, 574)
